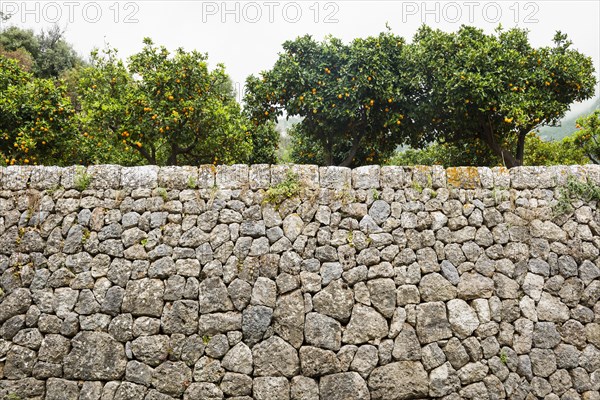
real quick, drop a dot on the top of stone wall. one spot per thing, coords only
(262, 176)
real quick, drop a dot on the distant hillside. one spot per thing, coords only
(283, 124)
(568, 123)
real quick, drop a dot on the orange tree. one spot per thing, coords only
(588, 136)
(355, 99)
(36, 119)
(496, 88)
(161, 109)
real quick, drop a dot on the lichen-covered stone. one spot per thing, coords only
(95, 356)
(275, 357)
(343, 386)
(365, 324)
(399, 380)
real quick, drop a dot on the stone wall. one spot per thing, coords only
(325, 283)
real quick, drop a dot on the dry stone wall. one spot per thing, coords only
(254, 282)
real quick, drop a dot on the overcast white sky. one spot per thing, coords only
(247, 35)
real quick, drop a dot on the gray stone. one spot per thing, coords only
(255, 321)
(407, 294)
(214, 296)
(180, 317)
(254, 229)
(144, 297)
(443, 381)
(151, 350)
(275, 357)
(331, 271)
(383, 295)
(365, 360)
(210, 324)
(434, 287)
(54, 348)
(15, 303)
(238, 359)
(463, 319)
(545, 335)
(139, 373)
(322, 331)
(217, 346)
(95, 356)
(90, 390)
(202, 390)
(432, 323)
(343, 386)
(172, 378)
(590, 358)
(146, 326)
(317, 362)
(552, 309)
(288, 318)
(234, 384)
(336, 301)
(365, 324)
(399, 380)
(61, 389)
(474, 285)
(543, 362)
(406, 345)
(128, 390)
(292, 226)
(432, 356)
(379, 211)
(472, 372)
(304, 388)
(271, 388)
(456, 353)
(208, 369)
(240, 293)
(264, 293)
(19, 362)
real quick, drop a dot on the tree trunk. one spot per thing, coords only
(521, 147)
(172, 160)
(349, 158)
(487, 135)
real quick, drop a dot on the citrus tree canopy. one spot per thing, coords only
(36, 118)
(355, 99)
(496, 88)
(166, 109)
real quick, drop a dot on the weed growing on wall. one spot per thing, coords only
(286, 189)
(82, 179)
(575, 189)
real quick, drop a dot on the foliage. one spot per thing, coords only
(578, 190)
(286, 189)
(495, 88)
(304, 150)
(588, 136)
(46, 54)
(555, 152)
(35, 119)
(446, 154)
(538, 152)
(265, 143)
(353, 97)
(162, 109)
(24, 58)
(82, 179)
(503, 357)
